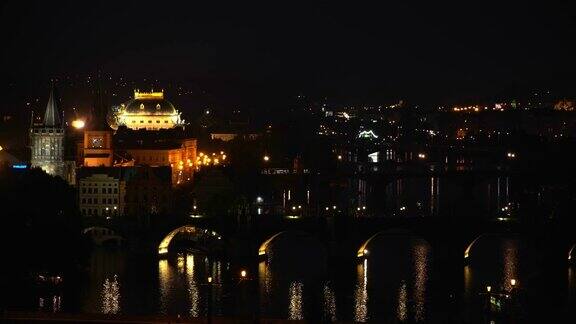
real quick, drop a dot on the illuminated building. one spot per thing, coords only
(180, 155)
(148, 110)
(101, 192)
(169, 147)
(97, 145)
(47, 143)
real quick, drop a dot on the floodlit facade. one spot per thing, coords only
(47, 141)
(148, 110)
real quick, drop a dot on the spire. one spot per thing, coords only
(51, 116)
(99, 109)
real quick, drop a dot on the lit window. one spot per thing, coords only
(158, 106)
(141, 106)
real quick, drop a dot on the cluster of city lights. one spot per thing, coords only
(78, 123)
(210, 159)
(478, 108)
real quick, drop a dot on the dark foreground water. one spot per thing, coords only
(400, 281)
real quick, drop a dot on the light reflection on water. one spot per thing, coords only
(184, 288)
(399, 270)
(329, 303)
(193, 290)
(164, 276)
(402, 301)
(510, 263)
(361, 293)
(111, 296)
(390, 286)
(295, 307)
(421, 252)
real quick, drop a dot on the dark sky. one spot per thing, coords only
(254, 52)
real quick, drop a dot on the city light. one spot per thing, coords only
(209, 279)
(513, 282)
(243, 274)
(421, 156)
(511, 155)
(78, 123)
(488, 288)
(266, 158)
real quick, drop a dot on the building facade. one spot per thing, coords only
(101, 193)
(124, 191)
(148, 191)
(179, 155)
(47, 141)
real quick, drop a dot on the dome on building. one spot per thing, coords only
(149, 103)
(148, 110)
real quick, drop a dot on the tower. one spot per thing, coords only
(47, 140)
(98, 134)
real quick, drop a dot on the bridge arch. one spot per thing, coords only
(363, 251)
(471, 245)
(99, 234)
(195, 233)
(263, 249)
(571, 258)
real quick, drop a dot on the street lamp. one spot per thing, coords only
(488, 288)
(513, 282)
(266, 158)
(243, 274)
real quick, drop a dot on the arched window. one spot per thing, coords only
(142, 106)
(157, 106)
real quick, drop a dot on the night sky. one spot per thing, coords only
(263, 54)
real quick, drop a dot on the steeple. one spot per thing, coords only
(51, 116)
(99, 109)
